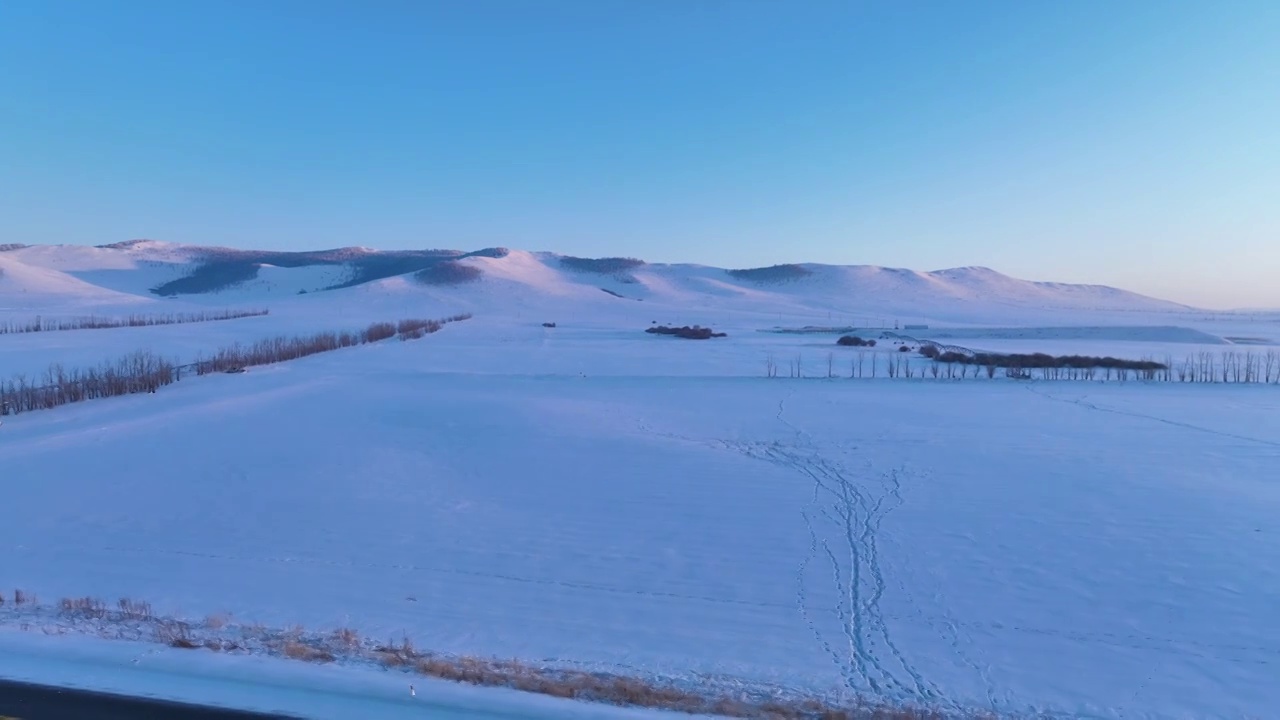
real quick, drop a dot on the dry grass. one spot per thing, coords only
(84, 607)
(347, 638)
(218, 634)
(307, 653)
(134, 609)
(636, 692)
(175, 634)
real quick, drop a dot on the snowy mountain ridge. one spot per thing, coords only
(147, 270)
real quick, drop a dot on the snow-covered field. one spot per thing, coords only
(591, 496)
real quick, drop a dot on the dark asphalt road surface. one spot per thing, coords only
(40, 702)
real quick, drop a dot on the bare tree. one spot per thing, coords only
(91, 322)
(143, 372)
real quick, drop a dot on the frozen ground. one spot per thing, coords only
(591, 496)
(292, 689)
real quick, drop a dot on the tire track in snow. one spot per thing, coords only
(869, 522)
(802, 602)
(862, 521)
(874, 659)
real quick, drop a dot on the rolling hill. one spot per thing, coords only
(148, 271)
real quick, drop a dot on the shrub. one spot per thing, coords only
(904, 348)
(377, 331)
(1036, 361)
(686, 332)
(855, 341)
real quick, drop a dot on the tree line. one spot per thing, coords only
(92, 322)
(145, 372)
(1230, 366)
(696, 332)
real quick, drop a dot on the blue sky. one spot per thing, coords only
(1132, 143)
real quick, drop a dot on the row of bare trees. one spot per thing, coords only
(1202, 367)
(136, 373)
(283, 349)
(93, 322)
(1230, 367)
(145, 372)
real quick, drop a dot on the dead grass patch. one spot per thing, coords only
(134, 609)
(218, 634)
(175, 634)
(306, 653)
(85, 607)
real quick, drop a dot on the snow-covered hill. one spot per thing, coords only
(591, 497)
(147, 271)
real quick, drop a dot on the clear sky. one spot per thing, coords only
(1131, 142)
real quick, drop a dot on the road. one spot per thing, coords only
(41, 702)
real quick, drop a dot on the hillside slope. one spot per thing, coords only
(500, 278)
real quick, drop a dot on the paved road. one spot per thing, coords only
(41, 702)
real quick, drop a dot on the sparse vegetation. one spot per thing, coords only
(855, 341)
(134, 621)
(39, 324)
(603, 266)
(952, 363)
(143, 372)
(772, 274)
(448, 272)
(283, 349)
(222, 268)
(139, 372)
(689, 333)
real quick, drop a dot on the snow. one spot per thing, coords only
(30, 288)
(269, 685)
(590, 496)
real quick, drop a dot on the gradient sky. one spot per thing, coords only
(1133, 143)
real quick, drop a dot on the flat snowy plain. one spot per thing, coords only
(590, 496)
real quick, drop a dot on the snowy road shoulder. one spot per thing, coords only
(268, 685)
